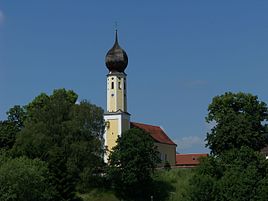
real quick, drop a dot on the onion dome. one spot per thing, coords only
(116, 59)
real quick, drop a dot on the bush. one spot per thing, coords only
(23, 179)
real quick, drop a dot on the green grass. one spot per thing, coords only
(99, 195)
(170, 186)
(178, 179)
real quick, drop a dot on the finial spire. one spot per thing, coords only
(116, 37)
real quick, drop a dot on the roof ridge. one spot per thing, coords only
(145, 124)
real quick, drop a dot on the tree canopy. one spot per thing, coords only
(24, 179)
(132, 163)
(236, 170)
(237, 175)
(239, 121)
(10, 127)
(65, 134)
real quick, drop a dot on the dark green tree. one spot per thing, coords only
(17, 115)
(23, 179)
(68, 136)
(203, 183)
(235, 175)
(132, 163)
(262, 190)
(238, 119)
(201, 188)
(236, 171)
(244, 170)
(10, 127)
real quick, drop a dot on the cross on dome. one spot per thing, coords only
(116, 59)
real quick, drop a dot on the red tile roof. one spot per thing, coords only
(155, 131)
(188, 159)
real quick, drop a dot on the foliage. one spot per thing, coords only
(10, 127)
(202, 188)
(236, 175)
(172, 185)
(68, 136)
(167, 166)
(24, 179)
(132, 163)
(17, 115)
(262, 190)
(243, 171)
(8, 133)
(167, 186)
(238, 119)
(235, 171)
(99, 195)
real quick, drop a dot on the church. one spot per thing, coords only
(117, 118)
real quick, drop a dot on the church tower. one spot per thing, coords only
(116, 117)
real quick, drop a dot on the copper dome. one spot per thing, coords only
(116, 59)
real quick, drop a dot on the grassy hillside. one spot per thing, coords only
(99, 195)
(170, 186)
(178, 179)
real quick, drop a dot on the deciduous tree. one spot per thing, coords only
(239, 121)
(132, 163)
(65, 134)
(238, 175)
(10, 127)
(24, 179)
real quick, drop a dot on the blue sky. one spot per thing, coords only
(181, 55)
